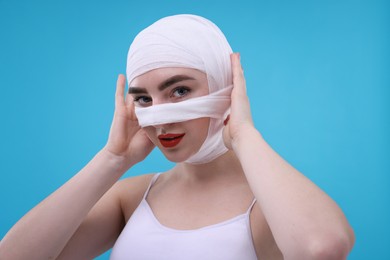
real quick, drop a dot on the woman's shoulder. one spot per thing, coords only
(131, 191)
(135, 183)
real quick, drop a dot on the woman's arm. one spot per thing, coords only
(306, 223)
(45, 231)
(105, 221)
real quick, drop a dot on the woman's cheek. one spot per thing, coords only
(150, 132)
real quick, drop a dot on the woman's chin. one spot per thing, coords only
(176, 157)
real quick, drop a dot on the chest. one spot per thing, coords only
(185, 213)
(144, 237)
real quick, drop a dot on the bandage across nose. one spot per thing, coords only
(214, 105)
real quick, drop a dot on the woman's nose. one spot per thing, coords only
(158, 101)
(162, 128)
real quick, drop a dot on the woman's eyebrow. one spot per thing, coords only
(163, 85)
(172, 80)
(137, 90)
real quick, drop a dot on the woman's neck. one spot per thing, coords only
(223, 166)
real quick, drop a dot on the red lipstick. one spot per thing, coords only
(170, 140)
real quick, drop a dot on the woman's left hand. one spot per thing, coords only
(240, 118)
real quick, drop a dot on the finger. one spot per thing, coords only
(131, 108)
(129, 99)
(120, 89)
(238, 73)
(236, 63)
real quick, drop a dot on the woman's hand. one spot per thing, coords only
(240, 118)
(126, 139)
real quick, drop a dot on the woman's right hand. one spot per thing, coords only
(91, 218)
(127, 140)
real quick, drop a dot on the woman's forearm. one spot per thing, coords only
(304, 220)
(44, 231)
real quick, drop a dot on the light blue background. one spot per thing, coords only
(317, 75)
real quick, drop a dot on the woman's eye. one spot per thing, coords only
(142, 100)
(180, 92)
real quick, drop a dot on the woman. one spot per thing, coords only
(230, 196)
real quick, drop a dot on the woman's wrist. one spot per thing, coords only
(116, 163)
(247, 136)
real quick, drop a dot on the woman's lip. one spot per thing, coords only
(169, 136)
(170, 140)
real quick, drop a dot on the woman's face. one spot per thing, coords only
(178, 141)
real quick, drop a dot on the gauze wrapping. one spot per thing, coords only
(186, 41)
(213, 106)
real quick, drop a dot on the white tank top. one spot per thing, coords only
(144, 238)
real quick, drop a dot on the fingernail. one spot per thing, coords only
(238, 55)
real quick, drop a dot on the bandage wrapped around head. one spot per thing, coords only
(186, 41)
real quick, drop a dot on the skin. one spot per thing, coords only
(292, 218)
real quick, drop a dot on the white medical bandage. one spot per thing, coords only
(213, 105)
(186, 41)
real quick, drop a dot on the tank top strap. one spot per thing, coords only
(153, 180)
(251, 206)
